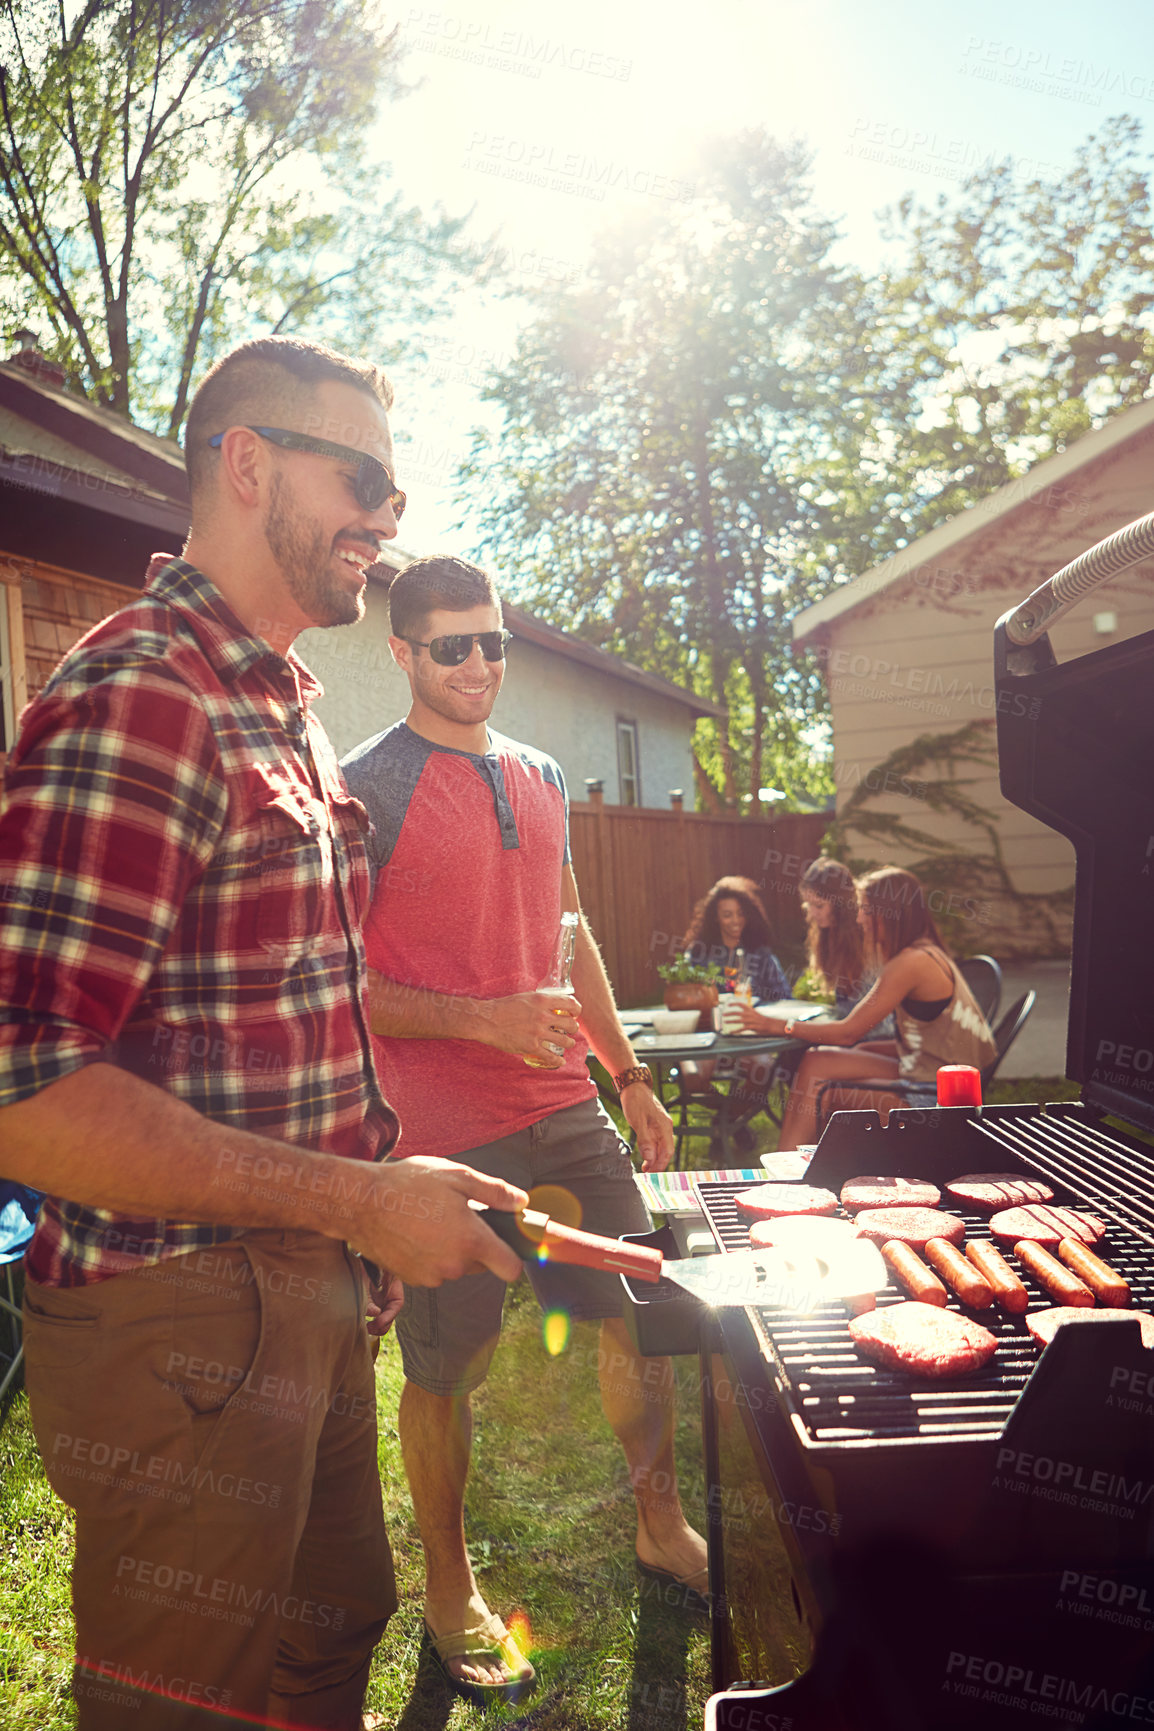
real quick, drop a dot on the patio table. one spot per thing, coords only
(663, 1051)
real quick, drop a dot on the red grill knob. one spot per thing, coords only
(959, 1085)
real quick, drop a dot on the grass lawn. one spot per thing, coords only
(551, 1529)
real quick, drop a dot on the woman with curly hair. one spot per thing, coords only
(936, 1018)
(732, 917)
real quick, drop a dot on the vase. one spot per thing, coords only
(692, 995)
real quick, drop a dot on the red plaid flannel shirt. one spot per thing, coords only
(182, 881)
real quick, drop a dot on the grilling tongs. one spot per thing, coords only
(797, 1280)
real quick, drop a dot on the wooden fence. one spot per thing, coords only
(640, 873)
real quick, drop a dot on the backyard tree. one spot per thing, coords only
(1013, 318)
(640, 489)
(177, 174)
(717, 427)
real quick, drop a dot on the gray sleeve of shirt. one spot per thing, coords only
(383, 774)
(559, 780)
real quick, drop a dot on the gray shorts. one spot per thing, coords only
(575, 1167)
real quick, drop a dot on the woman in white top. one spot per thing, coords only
(935, 1015)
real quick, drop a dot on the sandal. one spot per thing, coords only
(489, 1640)
(684, 1596)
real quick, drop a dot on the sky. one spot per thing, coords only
(549, 122)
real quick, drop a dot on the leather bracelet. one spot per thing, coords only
(635, 1073)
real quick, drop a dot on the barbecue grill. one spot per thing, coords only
(972, 1551)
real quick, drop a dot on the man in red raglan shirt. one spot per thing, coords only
(471, 852)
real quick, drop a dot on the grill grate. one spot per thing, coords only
(1088, 1160)
(839, 1398)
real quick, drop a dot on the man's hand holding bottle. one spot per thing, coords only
(538, 1026)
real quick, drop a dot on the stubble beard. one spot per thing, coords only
(305, 558)
(449, 706)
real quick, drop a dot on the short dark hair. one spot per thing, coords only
(265, 383)
(441, 580)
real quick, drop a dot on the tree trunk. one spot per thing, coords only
(707, 794)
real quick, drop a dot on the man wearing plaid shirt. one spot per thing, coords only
(186, 1070)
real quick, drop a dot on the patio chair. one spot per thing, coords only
(18, 1209)
(925, 1093)
(727, 1109)
(984, 978)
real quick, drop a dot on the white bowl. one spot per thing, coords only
(675, 1021)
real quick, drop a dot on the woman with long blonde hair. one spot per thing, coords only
(936, 1018)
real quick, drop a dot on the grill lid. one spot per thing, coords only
(1075, 747)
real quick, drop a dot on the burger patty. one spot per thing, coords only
(913, 1226)
(998, 1189)
(771, 1201)
(1046, 1225)
(1044, 1324)
(922, 1340)
(810, 1234)
(888, 1193)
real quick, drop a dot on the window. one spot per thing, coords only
(628, 764)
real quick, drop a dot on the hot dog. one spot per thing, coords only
(997, 1273)
(958, 1275)
(1063, 1287)
(1104, 1282)
(908, 1267)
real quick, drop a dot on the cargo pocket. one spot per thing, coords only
(216, 1329)
(60, 1327)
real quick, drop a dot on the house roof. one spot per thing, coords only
(55, 442)
(997, 508)
(104, 438)
(533, 630)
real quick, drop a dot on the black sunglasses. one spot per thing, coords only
(457, 647)
(372, 484)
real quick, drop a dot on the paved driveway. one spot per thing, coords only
(1040, 1049)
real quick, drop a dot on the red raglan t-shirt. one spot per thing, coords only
(468, 852)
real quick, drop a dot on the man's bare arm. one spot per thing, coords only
(107, 1139)
(525, 1023)
(601, 1024)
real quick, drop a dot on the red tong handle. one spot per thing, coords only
(536, 1236)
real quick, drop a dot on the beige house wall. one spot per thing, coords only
(916, 657)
